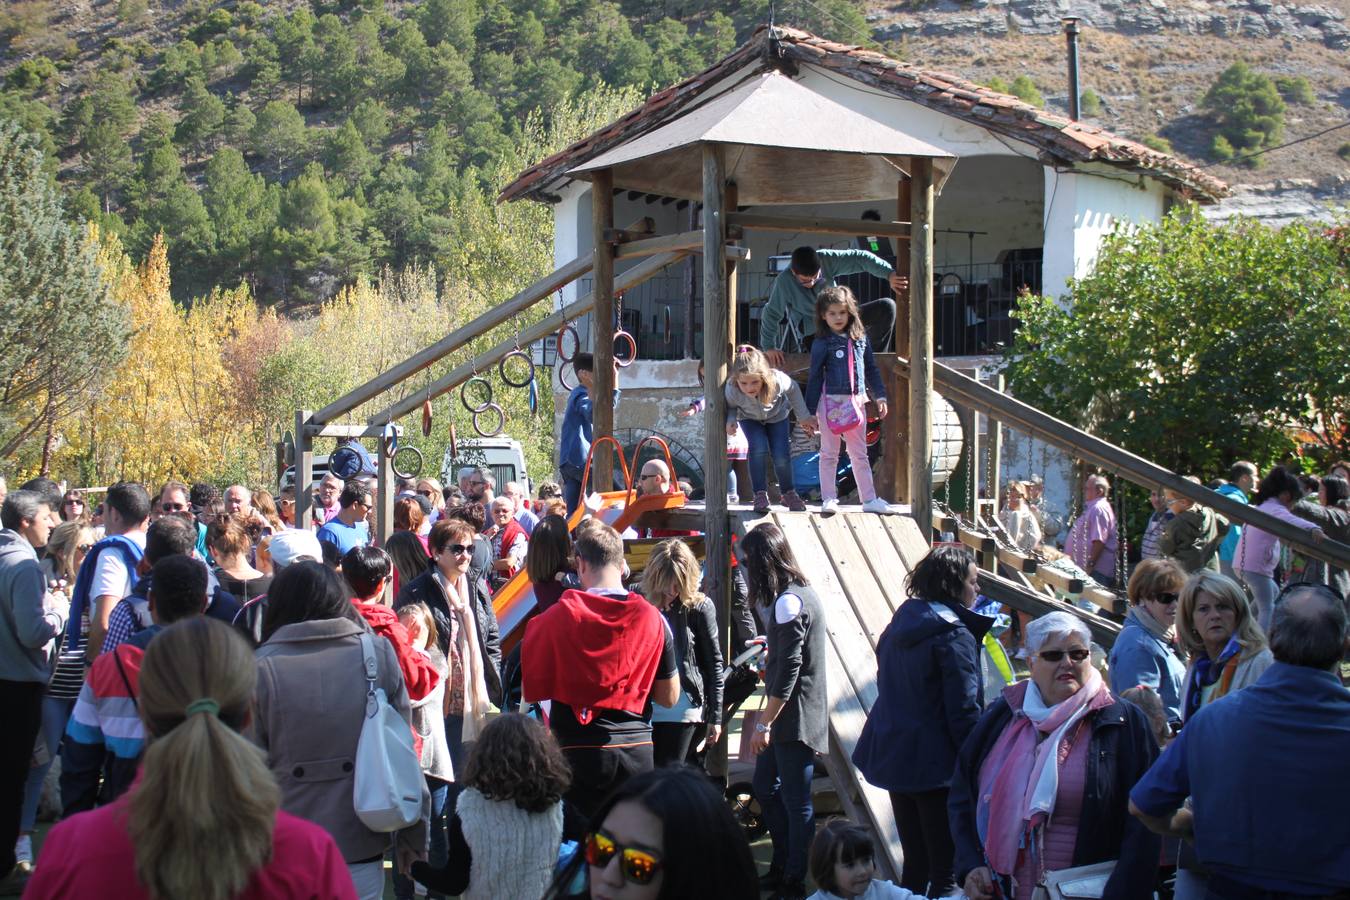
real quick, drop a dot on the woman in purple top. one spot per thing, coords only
(1258, 551)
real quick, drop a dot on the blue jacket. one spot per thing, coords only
(574, 438)
(1229, 545)
(1121, 749)
(829, 370)
(929, 696)
(1268, 812)
(1137, 657)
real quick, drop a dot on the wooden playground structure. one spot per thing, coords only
(727, 154)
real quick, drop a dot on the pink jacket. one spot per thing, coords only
(90, 855)
(1258, 551)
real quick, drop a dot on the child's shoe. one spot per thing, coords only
(761, 501)
(829, 507)
(877, 505)
(793, 502)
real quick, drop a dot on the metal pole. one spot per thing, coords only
(1071, 39)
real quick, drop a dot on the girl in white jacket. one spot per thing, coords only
(843, 866)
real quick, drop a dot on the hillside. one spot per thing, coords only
(294, 146)
(1151, 63)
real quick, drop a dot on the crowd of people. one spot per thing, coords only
(207, 672)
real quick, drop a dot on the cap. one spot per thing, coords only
(294, 545)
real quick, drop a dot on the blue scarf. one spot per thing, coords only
(1206, 672)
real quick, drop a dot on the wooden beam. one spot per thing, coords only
(348, 431)
(497, 315)
(1104, 631)
(994, 480)
(1061, 580)
(644, 227)
(976, 540)
(684, 240)
(384, 496)
(716, 362)
(1017, 561)
(1095, 451)
(730, 196)
(304, 471)
(602, 326)
(895, 448)
(752, 221)
(627, 279)
(921, 345)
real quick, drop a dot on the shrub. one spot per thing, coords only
(1025, 89)
(1248, 112)
(1156, 142)
(1295, 90)
(1089, 104)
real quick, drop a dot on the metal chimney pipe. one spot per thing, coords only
(1071, 39)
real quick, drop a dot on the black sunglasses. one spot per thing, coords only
(457, 549)
(1077, 654)
(1166, 599)
(172, 507)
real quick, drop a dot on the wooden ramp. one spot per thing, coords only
(857, 562)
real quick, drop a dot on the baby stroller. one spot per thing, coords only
(739, 683)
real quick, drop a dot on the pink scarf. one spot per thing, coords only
(1020, 777)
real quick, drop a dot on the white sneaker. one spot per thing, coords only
(829, 507)
(23, 853)
(877, 505)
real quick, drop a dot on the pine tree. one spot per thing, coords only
(243, 211)
(279, 135)
(204, 115)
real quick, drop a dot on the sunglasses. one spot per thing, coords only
(1077, 654)
(459, 549)
(1166, 599)
(85, 548)
(424, 494)
(172, 507)
(73, 501)
(638, 866)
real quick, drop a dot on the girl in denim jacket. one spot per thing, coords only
(839, 335)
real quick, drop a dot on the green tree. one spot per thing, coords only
(107, 161)
(1089, 103)
(1224, 340)
(371, 119)
(61, 334)
(262, 63)
(296, 49)
(716, 38)
(346, 157)
(180, 62)
(1247, 110)
(306, 231)
(1025, 89)
(204, 115)
(239, 124)
(243, 211)
(674, 56)
(279, 135)
(453, 22)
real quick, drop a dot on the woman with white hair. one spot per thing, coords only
(1043, 782)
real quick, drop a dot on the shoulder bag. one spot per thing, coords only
(845, 413)
(388, 782)
(1077, 883)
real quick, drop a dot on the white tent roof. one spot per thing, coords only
(784, 144)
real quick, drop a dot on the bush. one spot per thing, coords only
(1089, 104)
(1295, 90)
(1156, 142)
(31, 74)
(1248, 111)
(998, 84)
(1025, 89)
(1344, 152)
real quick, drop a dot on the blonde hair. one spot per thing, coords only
(749, 362)
(422, 613)
(64, 542)
(672, 569)
(1222, 588)
(205, 789)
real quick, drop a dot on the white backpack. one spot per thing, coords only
(388, 791)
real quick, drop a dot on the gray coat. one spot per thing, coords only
(308, 711)
(789, 399)
(25, 625)
(795, 673)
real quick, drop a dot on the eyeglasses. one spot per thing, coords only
(477, 484)
(1077, 654)
(638, 866)
(1166, 599)
(426, 494)
(172, 507)
(652, 475)
(85, 548)
(459, 549)
(73, 501)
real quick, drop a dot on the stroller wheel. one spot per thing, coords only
(745, 808)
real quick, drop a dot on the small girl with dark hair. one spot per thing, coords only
(843, 866)
(508, 820)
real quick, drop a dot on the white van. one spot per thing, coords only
(502, 456)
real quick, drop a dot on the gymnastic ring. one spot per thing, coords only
(464, 394)
(620, 337)
(389, 440)
(426, 418)
(501, 421)
(501, 368)
(558, 343)
(562, 375)
(414, 470)
(532, 397)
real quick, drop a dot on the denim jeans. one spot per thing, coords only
(1264, 591)
(55, 714)
(782, 785)
(769, 439)
(439, 849)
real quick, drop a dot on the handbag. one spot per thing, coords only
(845, 413)
(1077, 883)
(388, 779)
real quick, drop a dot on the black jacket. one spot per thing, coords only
(1121, 750)
(929, 696)
(699, 656)
(795, 673)
(424, 589)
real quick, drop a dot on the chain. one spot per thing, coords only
(971, 474)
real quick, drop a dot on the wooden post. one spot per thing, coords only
(971, 420)
(602, 321)
(690, 291)
(384, 494)
(730, 197)
(994, 478)
(895, 450)
(716, 362)
(921, 344)
(304, 471)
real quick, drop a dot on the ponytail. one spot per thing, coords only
(206, 792)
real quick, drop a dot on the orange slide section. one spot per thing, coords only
(618, 509)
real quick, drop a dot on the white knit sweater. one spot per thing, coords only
(514, 851)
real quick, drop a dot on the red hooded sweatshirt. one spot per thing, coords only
(592, 650)
(419, 674)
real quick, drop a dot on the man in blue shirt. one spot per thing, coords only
(574, 439)
(1241, 482)
(1265, 768)
(348, 528)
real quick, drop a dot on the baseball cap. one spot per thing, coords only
(294, 545)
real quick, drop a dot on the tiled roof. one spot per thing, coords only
(1057, 138)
